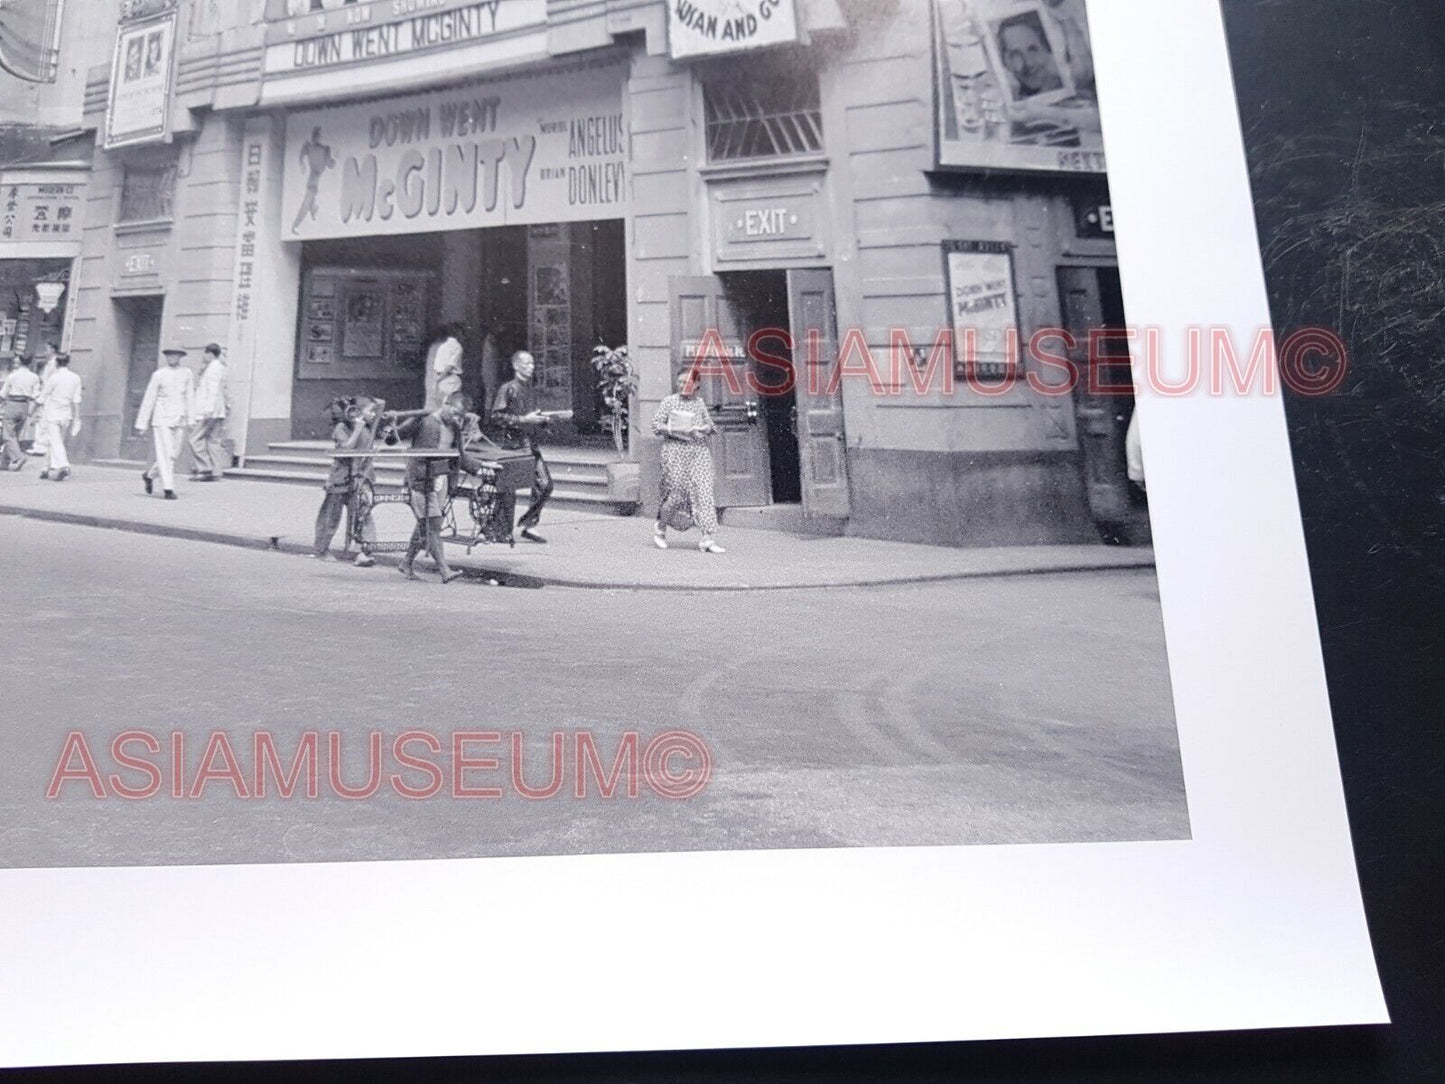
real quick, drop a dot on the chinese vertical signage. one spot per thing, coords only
(40, 212)
(1015, 86)
(982, 306)
(709, 27)
(140, 82)
(245, 278)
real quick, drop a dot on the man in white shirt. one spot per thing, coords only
(59, 416)
(19, 392)
(444, 369)
(166, 410)
(46, 369)
(210, 417)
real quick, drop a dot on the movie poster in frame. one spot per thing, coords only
(1014, 86)
(139, 107)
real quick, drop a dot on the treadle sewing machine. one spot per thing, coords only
(507, 472)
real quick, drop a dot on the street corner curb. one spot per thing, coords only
(278, 543)
(504, 578)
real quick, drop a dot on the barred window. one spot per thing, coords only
(762, 110)
(147, 192)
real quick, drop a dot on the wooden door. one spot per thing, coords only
(822, 442)
(705, 318)
(145, 351)
(1103, 415)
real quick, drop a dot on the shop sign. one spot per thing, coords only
(710, 27)
(40, 212)
(982, 303)
(252, 224)
(1015, 86)
(512, 152)
(391, 28)
(140, 82)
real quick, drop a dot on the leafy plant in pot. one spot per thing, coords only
(617, 381)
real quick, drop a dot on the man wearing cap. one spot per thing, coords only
(210, 416)
(59, 414)
(19, 393)
(166, 410)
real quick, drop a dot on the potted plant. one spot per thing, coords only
(617, 383)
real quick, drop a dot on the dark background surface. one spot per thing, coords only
(1344, 111)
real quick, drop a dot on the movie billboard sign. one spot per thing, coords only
(511, 152)
(140, 82)
(1015, 86)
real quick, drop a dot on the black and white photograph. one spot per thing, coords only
(547, 446)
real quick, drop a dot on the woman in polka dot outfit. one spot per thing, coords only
(685, 425)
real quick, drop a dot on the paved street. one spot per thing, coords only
(1009, 710)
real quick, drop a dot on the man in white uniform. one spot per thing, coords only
(210, 417)
(40, 446)
(59, 415)
(19, 395)
(168, 407)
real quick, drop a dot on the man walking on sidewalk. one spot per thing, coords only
(166, 410)
(210, 417)
(19, 393)
(59, 416)
(40, 445)
(515, 411)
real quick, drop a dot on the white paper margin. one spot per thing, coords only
(1255, 923)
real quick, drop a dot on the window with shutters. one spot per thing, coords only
(147, 192)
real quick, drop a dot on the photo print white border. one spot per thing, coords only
(1256, 922)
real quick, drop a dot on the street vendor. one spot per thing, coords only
(354, 423)
(430, 484)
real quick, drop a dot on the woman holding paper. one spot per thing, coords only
(685, 426)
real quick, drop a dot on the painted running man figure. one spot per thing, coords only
(316, 157)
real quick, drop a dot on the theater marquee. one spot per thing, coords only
(388, 29)
(520, 151)
(1015, 86)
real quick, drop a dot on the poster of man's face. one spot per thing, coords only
(132, 60)
(1030, 60)
(154, 42)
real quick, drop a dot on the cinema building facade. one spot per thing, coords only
(319, 189)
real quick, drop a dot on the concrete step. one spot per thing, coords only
(580, 457)
(583, 475)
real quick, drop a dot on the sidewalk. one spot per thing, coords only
(585, 549)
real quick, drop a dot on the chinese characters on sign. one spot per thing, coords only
(140, 82)
(246, 276)
(983, 310)
(40, 212)
(709, 27)
(1015, 86)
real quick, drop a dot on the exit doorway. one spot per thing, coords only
(1093, 299)
(769, 340)
(140, 328)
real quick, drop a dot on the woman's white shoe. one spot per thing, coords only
(659, 539)
(707, 545)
